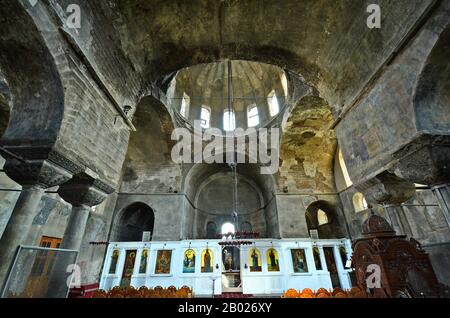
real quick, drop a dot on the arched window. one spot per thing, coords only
(322, 217)
(211, 230)
(229, 120)
(359, 202)
(321, 220)
(228, 228)
(205, 117)
(348, 181)
(185, 103)
(284, 83)
(274, 106)
(252, 116)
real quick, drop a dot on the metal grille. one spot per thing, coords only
(34, 268)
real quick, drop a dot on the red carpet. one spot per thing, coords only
(234, 295)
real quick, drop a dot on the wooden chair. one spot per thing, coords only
(307, 291)
(323, 291)
(337, 291)
(291, 293)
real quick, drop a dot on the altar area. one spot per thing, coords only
(262, 267)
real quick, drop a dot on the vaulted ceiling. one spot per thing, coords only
(134, 42)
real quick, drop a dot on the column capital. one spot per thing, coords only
(387, 188)
(39, 173)
(83, 189)
(425, 161)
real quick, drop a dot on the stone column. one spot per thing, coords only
(34, 176)
(389, 191)
(427, 161)
(75, 228)
(83, 192)
(442, 194)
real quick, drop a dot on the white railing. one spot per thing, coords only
(142, 272)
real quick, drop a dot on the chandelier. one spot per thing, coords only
(237, 238)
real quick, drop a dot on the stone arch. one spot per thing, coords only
(211, 230)
(328, 230)
(432, 96)
(213, 201)
(133, 221)
(149, 151)
(33, 78)
(198, 174)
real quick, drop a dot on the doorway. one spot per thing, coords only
(137, 219)
(332, 267)
(42, 266)
(231, 270)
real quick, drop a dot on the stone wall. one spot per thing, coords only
(384, 119)
(168, 210)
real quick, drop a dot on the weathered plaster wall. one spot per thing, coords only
(308, 147)
(148, 167)
(292, 214)
(168, 210)
(384, 120)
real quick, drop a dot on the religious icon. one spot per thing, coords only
(317, 261)
(189, 262)
(114, 259)
(273, 263)
(207, 260)
(163, 259)
(143, 264)
(128, 268)
(299, 261)
(255, 260)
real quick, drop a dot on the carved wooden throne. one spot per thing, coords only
(402, 267)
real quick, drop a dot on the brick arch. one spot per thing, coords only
(33, 78)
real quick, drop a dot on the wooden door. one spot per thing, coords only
(43, 263)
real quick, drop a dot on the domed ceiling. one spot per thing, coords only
(245, 84)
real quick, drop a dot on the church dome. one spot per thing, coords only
(258, 94)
